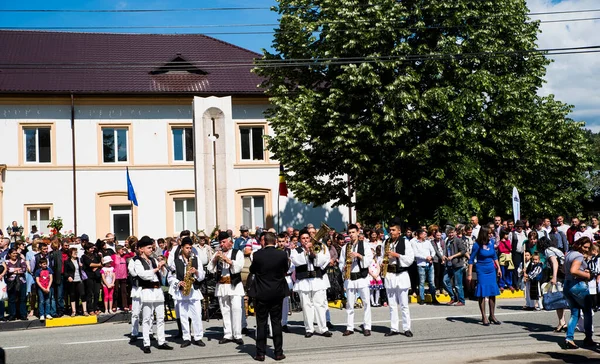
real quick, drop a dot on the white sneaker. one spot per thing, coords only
(106, 313)
(48, 317)
(42, 318)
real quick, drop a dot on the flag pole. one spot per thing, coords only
(278, 212)
(132, 219)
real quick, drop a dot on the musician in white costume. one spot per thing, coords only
(227, 264)
(189, 306)
(136, 297)
(361, 257)
(153, 299)
(397, 280)
(311, 284)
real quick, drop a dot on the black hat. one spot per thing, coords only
(519, 223)
(186, 241)
(223, 235)
(144, 241)
(555, 224)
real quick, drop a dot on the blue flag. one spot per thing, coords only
(130, 191)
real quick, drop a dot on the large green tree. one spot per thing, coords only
(431, 108)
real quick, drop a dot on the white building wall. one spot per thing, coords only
(151, 172)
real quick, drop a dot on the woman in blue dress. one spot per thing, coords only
(487, 269)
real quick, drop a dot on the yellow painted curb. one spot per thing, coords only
(444, 298)
(72, 321)
(336, 304)
(508, 294)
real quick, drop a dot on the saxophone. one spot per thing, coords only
(386, 258)
(189, 278)
(348, 268)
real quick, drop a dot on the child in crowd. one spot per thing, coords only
(523, 272)
(108, 283)
(534, 276)
(376, 283)
(43, 279)
(505, 261)
(594, 267)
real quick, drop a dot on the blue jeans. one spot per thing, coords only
(506, 279)
(457, 274)
(21, 296)
(578, 296)
(45, 305)
(58, 301)
(426, 271)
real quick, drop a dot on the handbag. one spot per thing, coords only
(553, 299)
(3, 291)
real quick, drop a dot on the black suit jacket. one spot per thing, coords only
(269, 267)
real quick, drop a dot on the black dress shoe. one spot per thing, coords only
(279, 357)
(185, 344)
(225, 341)
(494, 320)
(238, 341)
(147, 350)
(367, 332)
(245, 331)
(165, 346)
(408, 333)
(285, 329)
(308, 334)
(347, 333)
(570, 345)
(392, 333)
(327, 334)
(259, 358)
(329, 325)
(198, 342)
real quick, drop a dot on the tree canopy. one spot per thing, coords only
(430, 108)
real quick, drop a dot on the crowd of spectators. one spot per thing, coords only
(51, 277)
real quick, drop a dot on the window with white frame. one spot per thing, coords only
(40, 217)
(114, 145)
(183, 144)
(185, 214)
(38, 148)
(253, 211)
(252, 143)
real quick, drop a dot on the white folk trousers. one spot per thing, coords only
(314, 305)
(398, 296)
(148, 308)
(231, 309)
(351, 294)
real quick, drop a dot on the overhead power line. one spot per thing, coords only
(208, 26)
(168, 10)
(299, 62)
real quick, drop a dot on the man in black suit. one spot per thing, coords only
(269, 267)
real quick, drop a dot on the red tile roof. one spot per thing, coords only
(60, 62)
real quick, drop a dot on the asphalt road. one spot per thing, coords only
(441, 335)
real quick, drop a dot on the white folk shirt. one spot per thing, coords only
(148, 294)
(136, 292)
(195, 294)
(223, 290)
(402, 280)
(366, 261)
(311, 284)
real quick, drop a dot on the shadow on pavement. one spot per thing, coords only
(533, 327)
